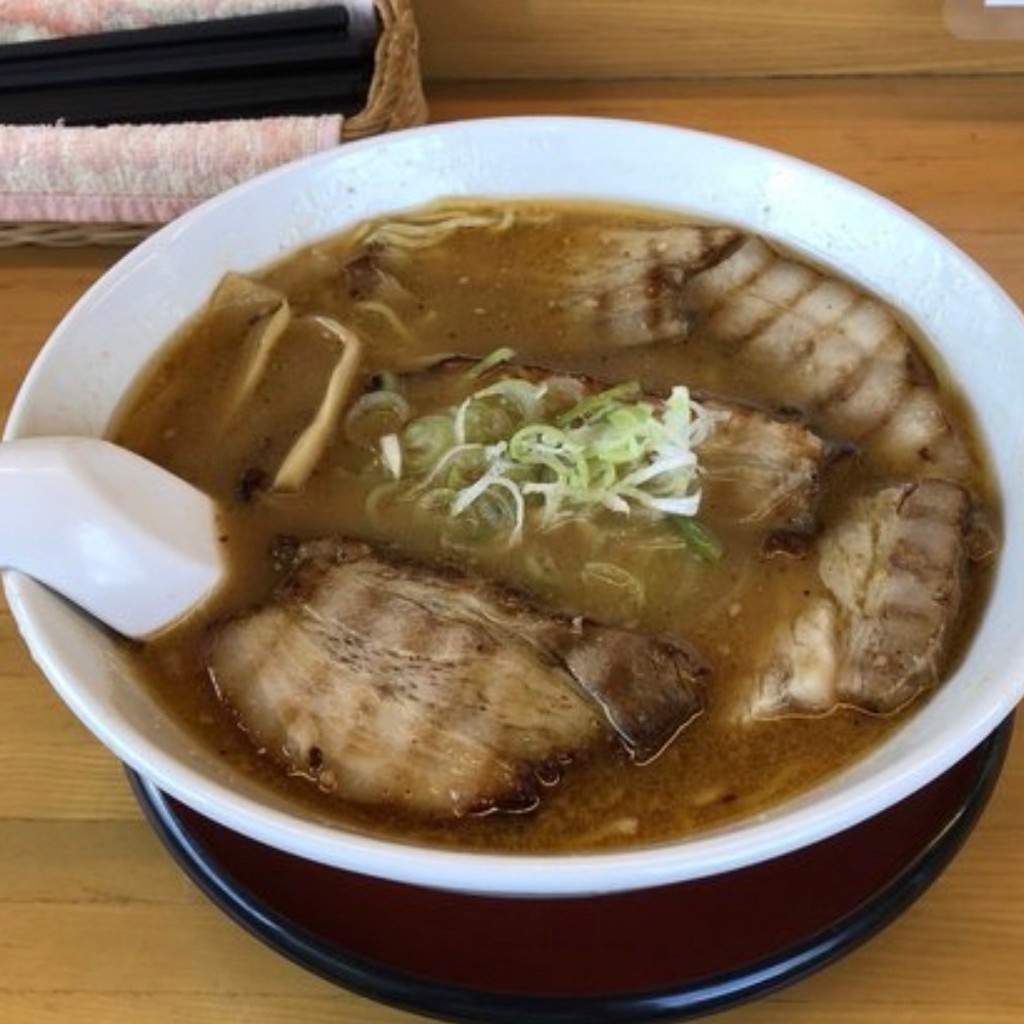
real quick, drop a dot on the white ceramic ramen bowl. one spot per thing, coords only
(115, 329)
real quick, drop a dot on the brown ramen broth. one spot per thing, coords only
(600, 294)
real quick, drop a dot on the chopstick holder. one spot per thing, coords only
(114, 184)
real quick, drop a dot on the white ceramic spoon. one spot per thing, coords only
(120, 537)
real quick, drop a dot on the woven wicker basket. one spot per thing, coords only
(395, 101)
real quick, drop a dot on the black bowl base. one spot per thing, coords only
(667, 954)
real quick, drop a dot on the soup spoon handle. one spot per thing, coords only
(132, 544)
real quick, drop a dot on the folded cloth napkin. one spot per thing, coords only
(143, 173)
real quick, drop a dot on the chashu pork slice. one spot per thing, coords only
(894, 570)
(607, 287)
(762, 470)
(396, 684)
(830, 349)
(626, 288)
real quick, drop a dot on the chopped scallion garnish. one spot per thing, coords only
(615, 450)
(698, 538)
(489, 362)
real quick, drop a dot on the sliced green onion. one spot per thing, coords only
(494, 505)
(613, 450)
(485, 420)
(542, 445)
(493, 359)
(561, 394)
(699, 539)
(438, 500)
(458, 466)
(426, 439)
(375, 414)
(391, 454)
(602, 402)
(523, 395)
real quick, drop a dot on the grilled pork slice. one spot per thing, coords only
(396, 684)
(608, 287)
(894, 570)
(830, 349)
(760, 469)
(627, 288)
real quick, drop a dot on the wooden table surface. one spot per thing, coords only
(97, 923)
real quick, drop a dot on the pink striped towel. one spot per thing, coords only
(141, 173)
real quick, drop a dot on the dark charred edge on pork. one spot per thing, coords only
(663, 281)
(525, 794)
(797, 544)
(644, 732)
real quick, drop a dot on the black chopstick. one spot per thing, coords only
(241, 96)
(293, 62)
(248, 26)
(229, 57)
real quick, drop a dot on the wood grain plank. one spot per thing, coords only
(51, 765)
(164, 948)
(344, 1008)
(340, 1008)
(567, 39)
(37, 287)
(88, 862)
(143, 1007)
